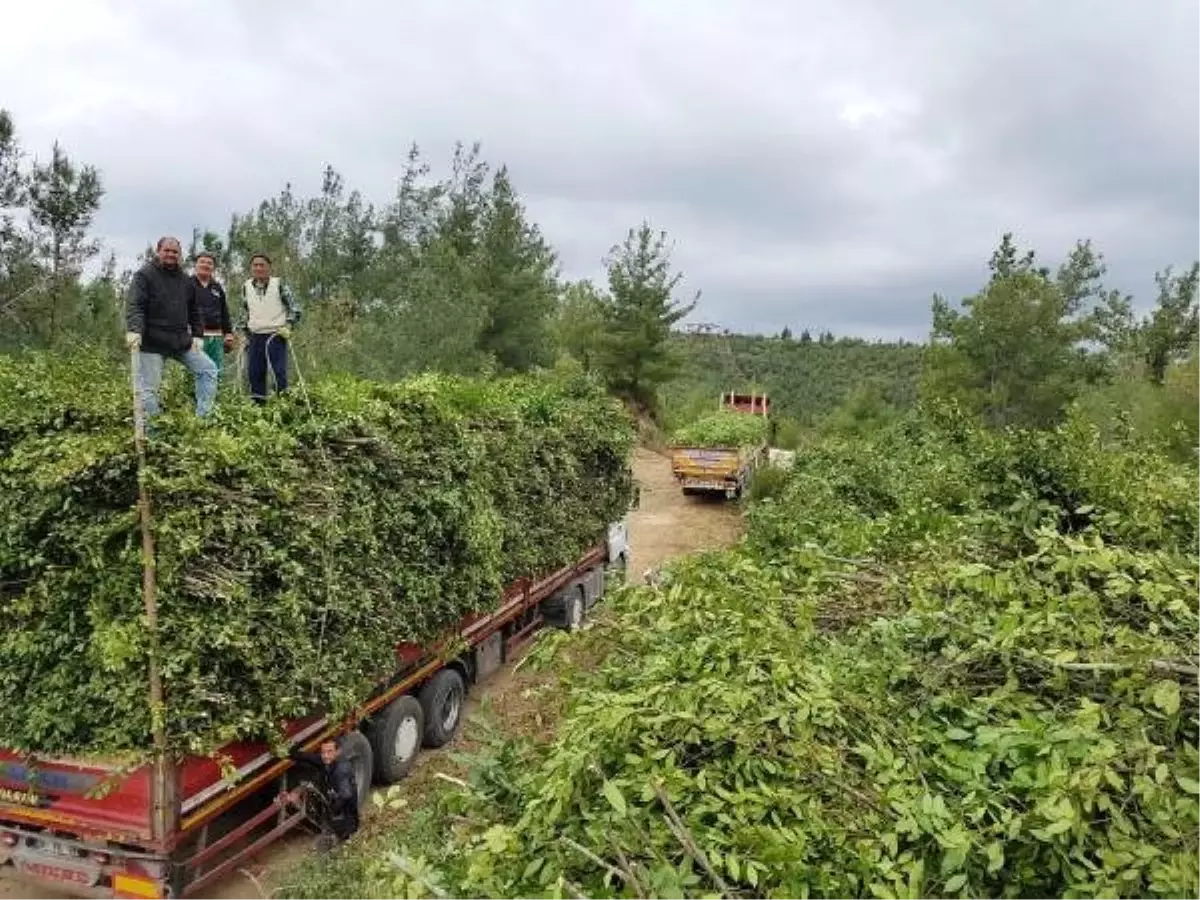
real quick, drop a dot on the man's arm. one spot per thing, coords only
(312, 759)
(195, 319)
(135, 306)
(226, 327)
(291, 307)
(242, 321)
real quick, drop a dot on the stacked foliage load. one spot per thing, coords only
(295, 545)
(946, 662)
(723, 429)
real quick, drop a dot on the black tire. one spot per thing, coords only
(442, 700)
(396, 734)
(575, 610)
(357, 750)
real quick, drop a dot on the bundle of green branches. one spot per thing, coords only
(295, 545)
(911, 680)
(725, 428)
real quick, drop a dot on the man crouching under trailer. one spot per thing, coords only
(335, 788)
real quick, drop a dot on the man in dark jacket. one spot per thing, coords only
(162, 322)
(336, 787)
(214, 309)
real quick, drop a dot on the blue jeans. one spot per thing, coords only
(149, 377)
(264, 350)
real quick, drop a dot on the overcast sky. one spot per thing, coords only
(821, 164)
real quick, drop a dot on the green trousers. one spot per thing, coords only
(215, 348)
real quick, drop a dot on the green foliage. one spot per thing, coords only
(451, 276)
(789, 434)
(295, 544)
(947, 661)
(724, 428)
(1135, 409)
(806, 380)
(865, 410)
(636, 356)
(1170, 332)
(516, 274)
(1028, 344)
(578, 323)
(767, 481)
(46, 210)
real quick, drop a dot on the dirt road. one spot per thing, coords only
(666, 525)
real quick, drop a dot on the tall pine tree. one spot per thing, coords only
(636, 357)
(516, 274)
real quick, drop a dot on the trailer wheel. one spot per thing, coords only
(565, 609)
(442, 701)
(573, 610)
(396, 738)
(357, 751)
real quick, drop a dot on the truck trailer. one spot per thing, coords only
(90, 828)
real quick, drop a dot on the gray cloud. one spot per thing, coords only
(821, 165)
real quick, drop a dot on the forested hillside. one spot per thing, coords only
(806, 379)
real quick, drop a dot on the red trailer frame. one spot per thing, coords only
(753, 403)
(89, 827)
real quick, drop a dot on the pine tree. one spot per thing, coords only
(515, 273)
(63, 200)
(639, 313)
(1016, 351)
(578, 323)
(322, 236)
(1170, 332)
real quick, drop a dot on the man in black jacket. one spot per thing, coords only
(162, 321)
(214, 309)
(336, 787)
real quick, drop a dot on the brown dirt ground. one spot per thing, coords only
(666, 525)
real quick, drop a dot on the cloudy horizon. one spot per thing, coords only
(827, 166)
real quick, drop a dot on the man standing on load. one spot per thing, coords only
(162, 322)
(214, 309)
(268, 313)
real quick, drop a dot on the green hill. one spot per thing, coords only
(806, 379)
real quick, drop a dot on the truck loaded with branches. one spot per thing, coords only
(345, 562)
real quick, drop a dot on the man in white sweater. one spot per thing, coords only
(269, 310)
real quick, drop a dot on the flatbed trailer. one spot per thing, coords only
(91, 829)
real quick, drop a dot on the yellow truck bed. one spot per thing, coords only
(723, 470)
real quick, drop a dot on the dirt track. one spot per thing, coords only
(665, 525)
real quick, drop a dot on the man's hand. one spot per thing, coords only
(229, 343)
(133, 340)
(289, 798)
(285, 332)
(197, 345)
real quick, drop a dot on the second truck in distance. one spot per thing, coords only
(718, 454)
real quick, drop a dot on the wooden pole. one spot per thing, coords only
(162, 793)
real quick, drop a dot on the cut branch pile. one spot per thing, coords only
(295, 545)
(723, 429)
(945, 662)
